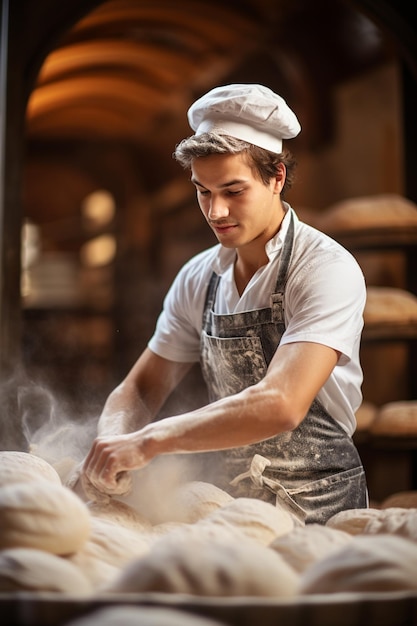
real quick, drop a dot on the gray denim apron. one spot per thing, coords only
(314, 470)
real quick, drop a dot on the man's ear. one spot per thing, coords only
(280, 178)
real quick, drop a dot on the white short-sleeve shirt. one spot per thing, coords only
(324, 301)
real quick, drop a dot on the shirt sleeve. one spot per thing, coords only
(324, 303)
(178, 328)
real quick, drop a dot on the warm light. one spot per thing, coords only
(31, 244)
(99, 251)
(98, 208)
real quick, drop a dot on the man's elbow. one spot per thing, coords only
(289, 413)
(282, 411)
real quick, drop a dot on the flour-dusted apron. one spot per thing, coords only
(315, 469)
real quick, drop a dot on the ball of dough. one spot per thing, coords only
(199, 565)
(371, 563)
(27, 569)
(195, 500)
(109, 548)
(43, 515)
(255, 518)
(394, 521)
(352, 521)
(119, 513)
(18, 467)
(154, 486)
(125, 615)
(165, 528)
(303, 546)
(80, 484)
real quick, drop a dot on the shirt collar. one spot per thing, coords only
(226, 256)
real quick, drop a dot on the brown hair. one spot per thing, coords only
(262, 162)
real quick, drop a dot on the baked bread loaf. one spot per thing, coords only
(401, 499)
(377, 211)
(396, 419)
(390, 305)
(365, 416)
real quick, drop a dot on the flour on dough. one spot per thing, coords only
(27, 569)
(42, 515)
(371, 563)
(17, 467)
(199, 565)
(255, 518)
(352, 521)
(305, 545)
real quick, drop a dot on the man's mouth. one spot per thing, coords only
(222, 228)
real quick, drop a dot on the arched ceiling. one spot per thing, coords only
(128, 64)
(129, 61)
(125, 72)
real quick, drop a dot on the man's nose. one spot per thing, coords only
(218, 209)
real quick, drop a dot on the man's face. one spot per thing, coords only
(240, 209)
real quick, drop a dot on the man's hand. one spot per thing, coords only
(108, 464)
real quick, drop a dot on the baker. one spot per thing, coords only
(274, 314)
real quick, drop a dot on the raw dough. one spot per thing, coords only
(125, 615)
(195, 500)
(26, 569)
(255, 518)
(18, 467)
(352, 521)
(155, 485)
(195, 563)
(85, 489)
(389, 305)
(371, 563)
(109, 548)
(396, 419)
(394, 521)
(119, 513)
(303, 546)
(42, 515)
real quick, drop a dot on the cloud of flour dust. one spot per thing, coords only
(51, 429)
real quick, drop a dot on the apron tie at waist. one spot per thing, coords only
(255, 472)
(283, 498)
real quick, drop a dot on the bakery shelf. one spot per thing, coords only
(389, 332)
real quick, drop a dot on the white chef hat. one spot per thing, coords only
(253, 113)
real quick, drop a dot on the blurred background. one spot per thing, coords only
(96, 215)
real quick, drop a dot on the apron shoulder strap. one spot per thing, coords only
(210, 298)
(284, 263)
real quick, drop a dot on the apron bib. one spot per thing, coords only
(315, 469)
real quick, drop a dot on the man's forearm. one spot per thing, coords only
(123, 412)
(245, 418)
